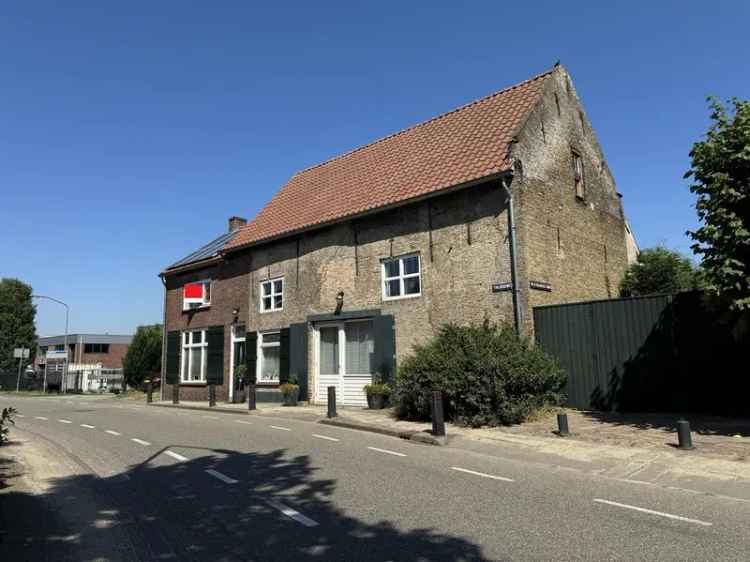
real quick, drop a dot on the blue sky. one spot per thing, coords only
(130, 131)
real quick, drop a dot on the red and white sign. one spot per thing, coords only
(195, 294)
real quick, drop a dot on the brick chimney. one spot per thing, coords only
(235, 223)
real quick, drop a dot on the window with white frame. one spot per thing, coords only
(269, 352)
(194, 348)
(196, 295)
(272, 295)
(402, 277)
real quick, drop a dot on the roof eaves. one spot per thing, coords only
(372, 211)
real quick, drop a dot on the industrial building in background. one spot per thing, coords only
(94, 362)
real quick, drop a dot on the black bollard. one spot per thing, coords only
(438, 418)
(211, 395)
(251, 397)
(331, 401)
(562, 424)
(683, 435)
(176, 393)
(149, 392)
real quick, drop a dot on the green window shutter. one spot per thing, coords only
(298, 356)
(384, 330)
(284, 355)
(172, 371)
(251, 355)
(215, 359)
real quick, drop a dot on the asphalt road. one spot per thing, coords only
(147, 483)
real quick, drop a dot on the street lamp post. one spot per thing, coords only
(65, 342)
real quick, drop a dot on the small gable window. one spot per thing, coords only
(196, 295)
(578, 180)
(272, 295)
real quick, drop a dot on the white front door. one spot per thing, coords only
(344, 360)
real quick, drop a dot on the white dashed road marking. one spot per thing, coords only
(20, 416)
(40, 418)
(111, 432)
(223, 477)
(279, 427)
(467, 471)
(65, 421)
(324, 437)
(211, 417)
(652, 512)
(242, 421)
(386, 451)
(87, 426)
(140, 441)
(175, 455)
(292, 513)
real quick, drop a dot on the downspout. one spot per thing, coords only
(163, 381)
(517, 313)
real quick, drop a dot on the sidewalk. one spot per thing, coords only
(640, 448)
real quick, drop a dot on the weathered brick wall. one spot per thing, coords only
(229, 291)
(469, 252)
(579, 246)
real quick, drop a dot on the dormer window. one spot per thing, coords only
(578, 176)
(196, 295)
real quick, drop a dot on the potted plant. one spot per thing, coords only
(290, 391)
(377, 393)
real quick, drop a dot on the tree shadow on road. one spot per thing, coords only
(167, 510)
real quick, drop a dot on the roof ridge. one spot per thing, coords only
(422, 123)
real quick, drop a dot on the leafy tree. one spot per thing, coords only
(488, 375)
(17, 328)
(143, 357)
(659, 270)
(721, 180)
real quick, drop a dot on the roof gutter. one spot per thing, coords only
(190, 266)
(291, 233)
(517, 311)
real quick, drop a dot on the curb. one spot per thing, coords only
(216, 409)
(408, 434)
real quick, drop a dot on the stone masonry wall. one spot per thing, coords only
(579, 246)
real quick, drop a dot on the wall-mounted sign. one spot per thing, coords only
(540, 286)
(55, 354)
(501, 287)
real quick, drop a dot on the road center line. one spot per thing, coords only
(482, 474)
(386, 451)
(293, 513)
(223, 477)
(20, 416)
(65, 421)
(141, 441)
(242, 421)
(40, 418)
(175, 455)
(652, 512)
(87, 426)
(279, 427)
(111, 432)
(324, 437)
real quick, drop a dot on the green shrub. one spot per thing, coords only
(6, 418)
(488, 375)
(378, 388)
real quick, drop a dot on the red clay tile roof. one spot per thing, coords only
(464, 145)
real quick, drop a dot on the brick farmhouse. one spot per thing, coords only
(483, 212)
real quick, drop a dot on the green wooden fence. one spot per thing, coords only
(658, 353)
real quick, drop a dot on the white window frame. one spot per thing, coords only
(259, 356)
(401, 277)
(273, 294)
(193, 304)
(185, 359)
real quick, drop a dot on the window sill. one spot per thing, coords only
(402, 298)
(195, 308)
(272, 310)
(193, 383)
